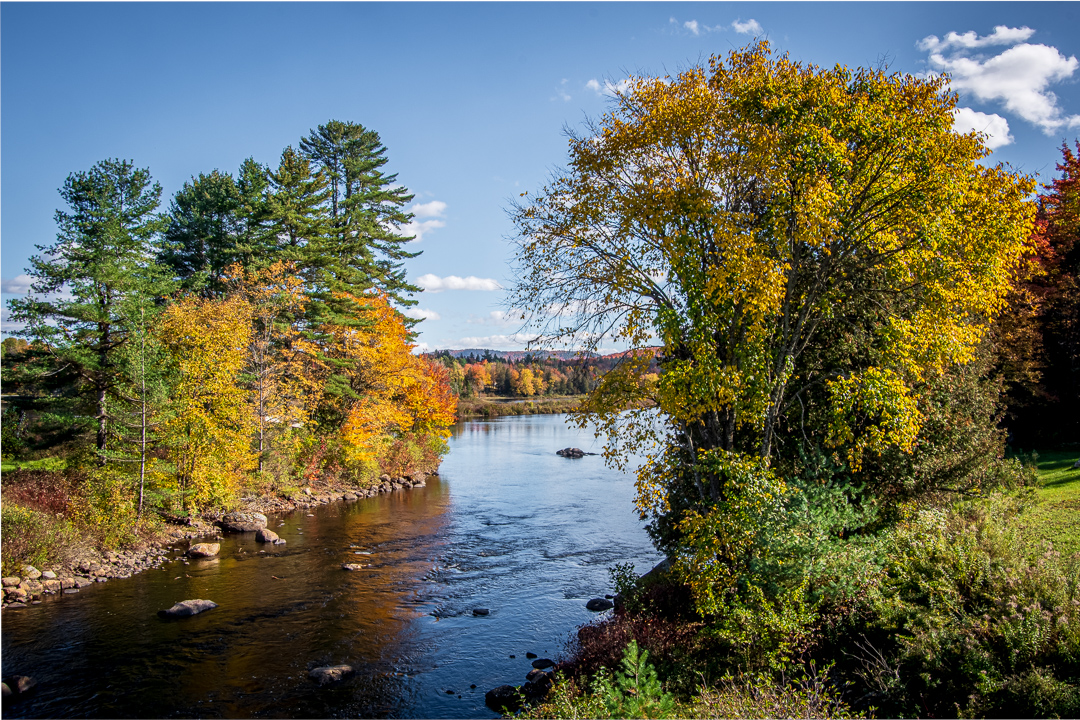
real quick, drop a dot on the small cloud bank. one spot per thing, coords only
(497, 317)
(18, 285)
(514, 341)
(418, 226)
(434, 284)
(995, 127)
(750, 27)
(608, 88)
(421, 314)
(1017, 78)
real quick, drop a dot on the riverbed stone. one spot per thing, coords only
(30, 572)
(265, 535)
(543, 663)
(187, 608)
(204, 550)
(48, 575)
(82, 581)
(351, 566)
(243, 521)
(480, 612)
(598, 604)
(330, 673)
(571, 452)
(350, 496)
(15, 594)
(51, 586)
(11, 582)
(66, 583)
(503, 699)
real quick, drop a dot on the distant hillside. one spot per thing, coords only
(514, 355)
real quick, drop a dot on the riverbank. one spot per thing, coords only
(502, 407)
(82, 563)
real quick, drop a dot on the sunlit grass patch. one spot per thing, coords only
(1056, 517)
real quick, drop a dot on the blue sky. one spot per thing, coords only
(470, 99)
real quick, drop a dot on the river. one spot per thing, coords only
(508, 526)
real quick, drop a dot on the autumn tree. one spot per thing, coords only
(102, 257)
(274, 366)
(208, 433)
(807, 246)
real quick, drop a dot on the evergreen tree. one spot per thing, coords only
(204, 224)
(102, 257)
(363, 249)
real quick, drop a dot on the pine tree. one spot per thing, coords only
(204, 226)
(102, 257)
(364, 249)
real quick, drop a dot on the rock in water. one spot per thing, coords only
(543, 663)
(598, 604)
(187, 608)
(243, 522)
(481, 611)
(503, 699)
(351, 566)
(571, 452)
(204, 550)
(330, 673)
(266, 536)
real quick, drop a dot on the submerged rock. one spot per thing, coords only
(187, 608)
(543, 663)
(481, 611)
(330, 673)
(598, 604)
(352, 566)
(571, 452)
(503, 699)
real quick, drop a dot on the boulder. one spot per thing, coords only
(543, 663)
(14, 594)
(350, 496)
(51, 586)
(598, 604)
(481, 612)
(330, 673)
(503, 699)
(48, 575)
(67, 583)
(537, 675)
(18, 685)
(204, 550)
(31, 572)
(571, 452)
(531, 655)
(351, 566)
(243, 522)
(279, 541)
(266, 536)
(187, 608)
(10, 582)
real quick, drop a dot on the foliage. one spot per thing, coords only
(209, 429)
(810, 248)
(636, 692)
(31, 537)
(102, 256)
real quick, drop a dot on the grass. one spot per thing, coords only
(1056, 516)
(42, 464)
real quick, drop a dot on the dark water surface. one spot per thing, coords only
(509, 526)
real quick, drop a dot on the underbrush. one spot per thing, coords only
(948, 612)
(491, 409)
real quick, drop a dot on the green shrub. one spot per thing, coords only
(31, 537)
(636, 692)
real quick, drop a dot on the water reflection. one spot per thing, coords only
(510, 527)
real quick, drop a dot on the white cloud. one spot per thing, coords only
(750, 27)
(418, 228)
(498, 317)
(608, 88)
(1018, 78)
(434, 283)
(1002, 35)
(692, 26)
(421, 314)
(996, 127)
(435, 208)
(6, 323)
(18, 285)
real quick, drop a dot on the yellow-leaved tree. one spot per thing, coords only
(208, 433)
(807, 246)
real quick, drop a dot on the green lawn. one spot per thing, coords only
(1056, 517)
(43, 464)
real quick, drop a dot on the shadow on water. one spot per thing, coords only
(509, 526)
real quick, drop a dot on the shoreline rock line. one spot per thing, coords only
(86, 565)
